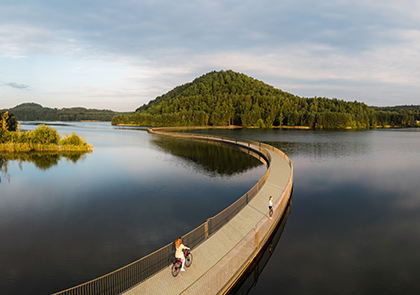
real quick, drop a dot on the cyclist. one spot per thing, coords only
(179, 253)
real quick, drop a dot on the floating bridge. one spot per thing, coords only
(224, 246)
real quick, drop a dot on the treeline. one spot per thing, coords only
(230, 98)
(403, 115)
(36, 112)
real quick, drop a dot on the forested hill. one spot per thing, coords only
(36, 112)
(230, 98)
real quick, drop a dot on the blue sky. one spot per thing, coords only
(121, 54)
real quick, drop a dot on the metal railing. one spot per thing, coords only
(221, 277)
(130, 275)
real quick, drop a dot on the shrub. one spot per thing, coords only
(43, 138)
(74, 140)
(44, 135)
(260, 123)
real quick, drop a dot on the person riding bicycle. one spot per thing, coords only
(179, 251)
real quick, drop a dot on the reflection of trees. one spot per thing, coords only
(213, 158)
(42, 160)
(3, 168)
(73, 156)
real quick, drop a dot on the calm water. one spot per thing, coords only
(354, 226)
(65, 219)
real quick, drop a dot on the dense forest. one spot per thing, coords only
(230, 98)
(404, 115)
(36, 112)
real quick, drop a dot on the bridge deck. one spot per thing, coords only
(223, 253)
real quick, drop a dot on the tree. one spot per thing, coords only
(4, 118)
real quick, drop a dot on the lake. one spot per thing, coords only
(66, 219)
(353, 228)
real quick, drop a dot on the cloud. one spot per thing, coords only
(16, 85)
(365, 50)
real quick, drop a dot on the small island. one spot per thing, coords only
(43, 138)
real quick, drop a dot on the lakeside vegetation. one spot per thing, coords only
(36, 112)
(43, 138)
(229, 98)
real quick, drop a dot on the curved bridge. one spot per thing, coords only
(223, 247)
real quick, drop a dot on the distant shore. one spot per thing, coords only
(252, 127)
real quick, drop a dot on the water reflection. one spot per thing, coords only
(41, 160)
(322, 150)
(250, 279)
(355, 225)
(71, 223)
(215, 159)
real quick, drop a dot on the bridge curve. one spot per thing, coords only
(223, 247)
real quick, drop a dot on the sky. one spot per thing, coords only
(119, 55)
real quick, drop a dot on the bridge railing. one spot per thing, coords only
(130, 275)
(238, 259)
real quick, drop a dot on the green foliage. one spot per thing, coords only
(74, 141)
(230, 98)
(260, 124)
(8, 122)
(43, 135)
(36, 112)
(405, 115)
(42, 138)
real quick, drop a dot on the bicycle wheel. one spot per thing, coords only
(176, 267)
(188, 260)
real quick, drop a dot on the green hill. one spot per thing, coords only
(230, 98)
(36, 112)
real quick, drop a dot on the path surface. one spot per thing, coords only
(219, 257)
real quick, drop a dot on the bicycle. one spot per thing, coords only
(177, 263)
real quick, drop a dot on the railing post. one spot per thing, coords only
(206, 229)
(256, 238)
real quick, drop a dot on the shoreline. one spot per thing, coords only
(273, 127)
(24, 148)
